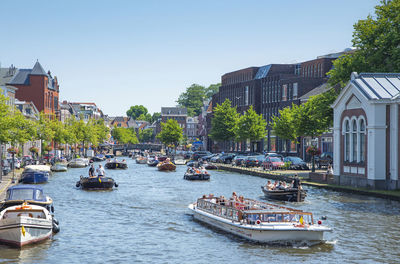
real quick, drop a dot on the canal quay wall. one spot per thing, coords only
(309, 181)
(8, 181)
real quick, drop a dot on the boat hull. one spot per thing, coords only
(103, 183)
(196, 177)
(141, 161)
(259, 233)
(116, 165)
(22, 231)
(291, 195)
(34, 177)
(166, 167)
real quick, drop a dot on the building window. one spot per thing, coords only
(362, 140)
(327, 145)
(347, 141)
(354, 141)
(246, 95)
(284, 92)
(295, 88)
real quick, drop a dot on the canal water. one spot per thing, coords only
(146, 220)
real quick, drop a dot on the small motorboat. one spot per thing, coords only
(78, 163)
(58, 167)
(96, 183)
(197, 176)
(166, 166)
(25, 224)
(32, 194)
(209, 166)
(141, 160)
(98, 158)
(152, 162)
(179, 160)
(115, 164)
(288, 194)
(259, 221)
(35, 174)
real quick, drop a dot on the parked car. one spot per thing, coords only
(252, 161)
(208, 157)
(296, 163)
(215, 158)
(199, 154)
(188, 154)
(226, 158)
(325, 159)
(238, 160)
(5, 167)
(275, 155)
(272, 163)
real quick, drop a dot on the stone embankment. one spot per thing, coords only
(8, 181)
(285, 175)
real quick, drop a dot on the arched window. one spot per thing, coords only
(354, 141)
(362, 133)
(347, 141)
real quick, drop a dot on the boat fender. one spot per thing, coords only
(323, 217)
(115, 184)
(55, 221)
(258, 222)
(52, 209)
(78, 184)
(56, 228)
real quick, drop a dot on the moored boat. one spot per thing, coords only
(31, 194)
(259, 221)
(78, 163)
(58, 167)
(35, 174)
(115, 164)
(96, 183)
(288, 194)
(25, 224)
(209, 166)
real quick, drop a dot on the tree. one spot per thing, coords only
(136, 111)
(171, 133)
(224, 123)
(376, 40)
(124, 135)
(283, 124)
(145, 117)
(251, 126)
(155, 117)
(211, 90)
(44, 129)
(145, 135)
(193, 99)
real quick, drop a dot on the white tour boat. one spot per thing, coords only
(25, 224)
(259, 221)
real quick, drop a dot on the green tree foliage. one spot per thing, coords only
(193, 99)
(5, 120)
(377, 40)
(224, 124)
(251, 126)
(171, 132)
(124, 135)
(155, 117)
(211, 90)
(136, 111)
(22, 130)
(309, 119)
(145, 135)
(145, 117)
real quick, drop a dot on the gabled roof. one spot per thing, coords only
(317, 90)
(38, 70)
(377, 85)
(21, 77)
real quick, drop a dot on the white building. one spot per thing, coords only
(367, 131)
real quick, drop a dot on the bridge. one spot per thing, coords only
(141, 146)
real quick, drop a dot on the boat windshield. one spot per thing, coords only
(20, 194)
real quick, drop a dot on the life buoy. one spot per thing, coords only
(23, 207)
(258, 222)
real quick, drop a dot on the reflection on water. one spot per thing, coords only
(145, 220)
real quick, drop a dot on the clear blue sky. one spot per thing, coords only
(123, 53)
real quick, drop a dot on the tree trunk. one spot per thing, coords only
(313, 163)
(1, 162)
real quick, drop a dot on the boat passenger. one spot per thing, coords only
(222, 200)
(269, 185)
(212, 198)
(296, 182)
(329, 170)
(100, 171)
(91, 171)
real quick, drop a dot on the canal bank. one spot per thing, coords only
(288, 176)
(8, 181)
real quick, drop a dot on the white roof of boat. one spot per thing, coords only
(38, 167)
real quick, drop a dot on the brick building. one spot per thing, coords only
(37, 86)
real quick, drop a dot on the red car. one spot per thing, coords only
(272, 163)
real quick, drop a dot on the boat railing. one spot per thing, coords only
(251, 212)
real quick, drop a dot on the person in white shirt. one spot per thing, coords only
(100, 171)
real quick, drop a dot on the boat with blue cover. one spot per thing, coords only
(35, 174)
(33, 194)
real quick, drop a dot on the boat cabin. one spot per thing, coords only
(253, 212)
(25, 193)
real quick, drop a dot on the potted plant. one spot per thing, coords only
(34, 151)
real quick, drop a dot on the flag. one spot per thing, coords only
(99, 179)
(301, 220)
(23, 230)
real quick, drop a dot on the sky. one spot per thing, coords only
(122, 53)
